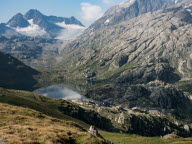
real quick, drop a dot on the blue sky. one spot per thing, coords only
(87, 11)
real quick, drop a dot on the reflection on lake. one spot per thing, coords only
(59, 91)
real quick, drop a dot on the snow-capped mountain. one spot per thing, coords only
(34, 23)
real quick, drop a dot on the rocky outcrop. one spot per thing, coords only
(170, 136)
(143, 74)
(154, 94)
(93, 131)
(141, 123)
(154, 126)
(88, 116)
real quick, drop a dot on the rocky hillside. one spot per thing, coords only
(153, 38)
(129, 10)
(136, 61)
(113, 119)
(35, 52)
(14, 74)
(141, 121)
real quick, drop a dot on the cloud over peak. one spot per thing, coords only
(91, 12)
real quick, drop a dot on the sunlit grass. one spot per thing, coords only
(135, 139)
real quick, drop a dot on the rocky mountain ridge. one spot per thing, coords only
(140, 41)
(130, 9)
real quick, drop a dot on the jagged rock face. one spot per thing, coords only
(154, 126)
(18, 21)
(16, 75)
(88, 116)
(154, 94)
(31, 14)
(144, 124)
(130, 9)
(144, 74)
(144, 39)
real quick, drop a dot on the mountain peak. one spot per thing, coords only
(33, 13)
(18, 15)
(73, 20)
(18, 21)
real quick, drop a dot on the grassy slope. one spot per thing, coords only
(135, 139)
(37, 102)
(22, 125)
(49, 106)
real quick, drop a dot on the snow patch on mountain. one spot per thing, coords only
(32, 30)
(70, 31)
(107, 21)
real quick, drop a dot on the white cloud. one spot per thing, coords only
(91, 12)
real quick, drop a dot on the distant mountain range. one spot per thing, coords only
(34, 24)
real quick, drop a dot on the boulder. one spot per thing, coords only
(93, 131)
(170, 136)
(187, 128)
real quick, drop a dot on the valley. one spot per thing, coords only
(128, 74)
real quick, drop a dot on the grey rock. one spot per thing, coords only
(93, 131)
(143, 40)
(187, 128)
(18, 21)
(129, 10)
